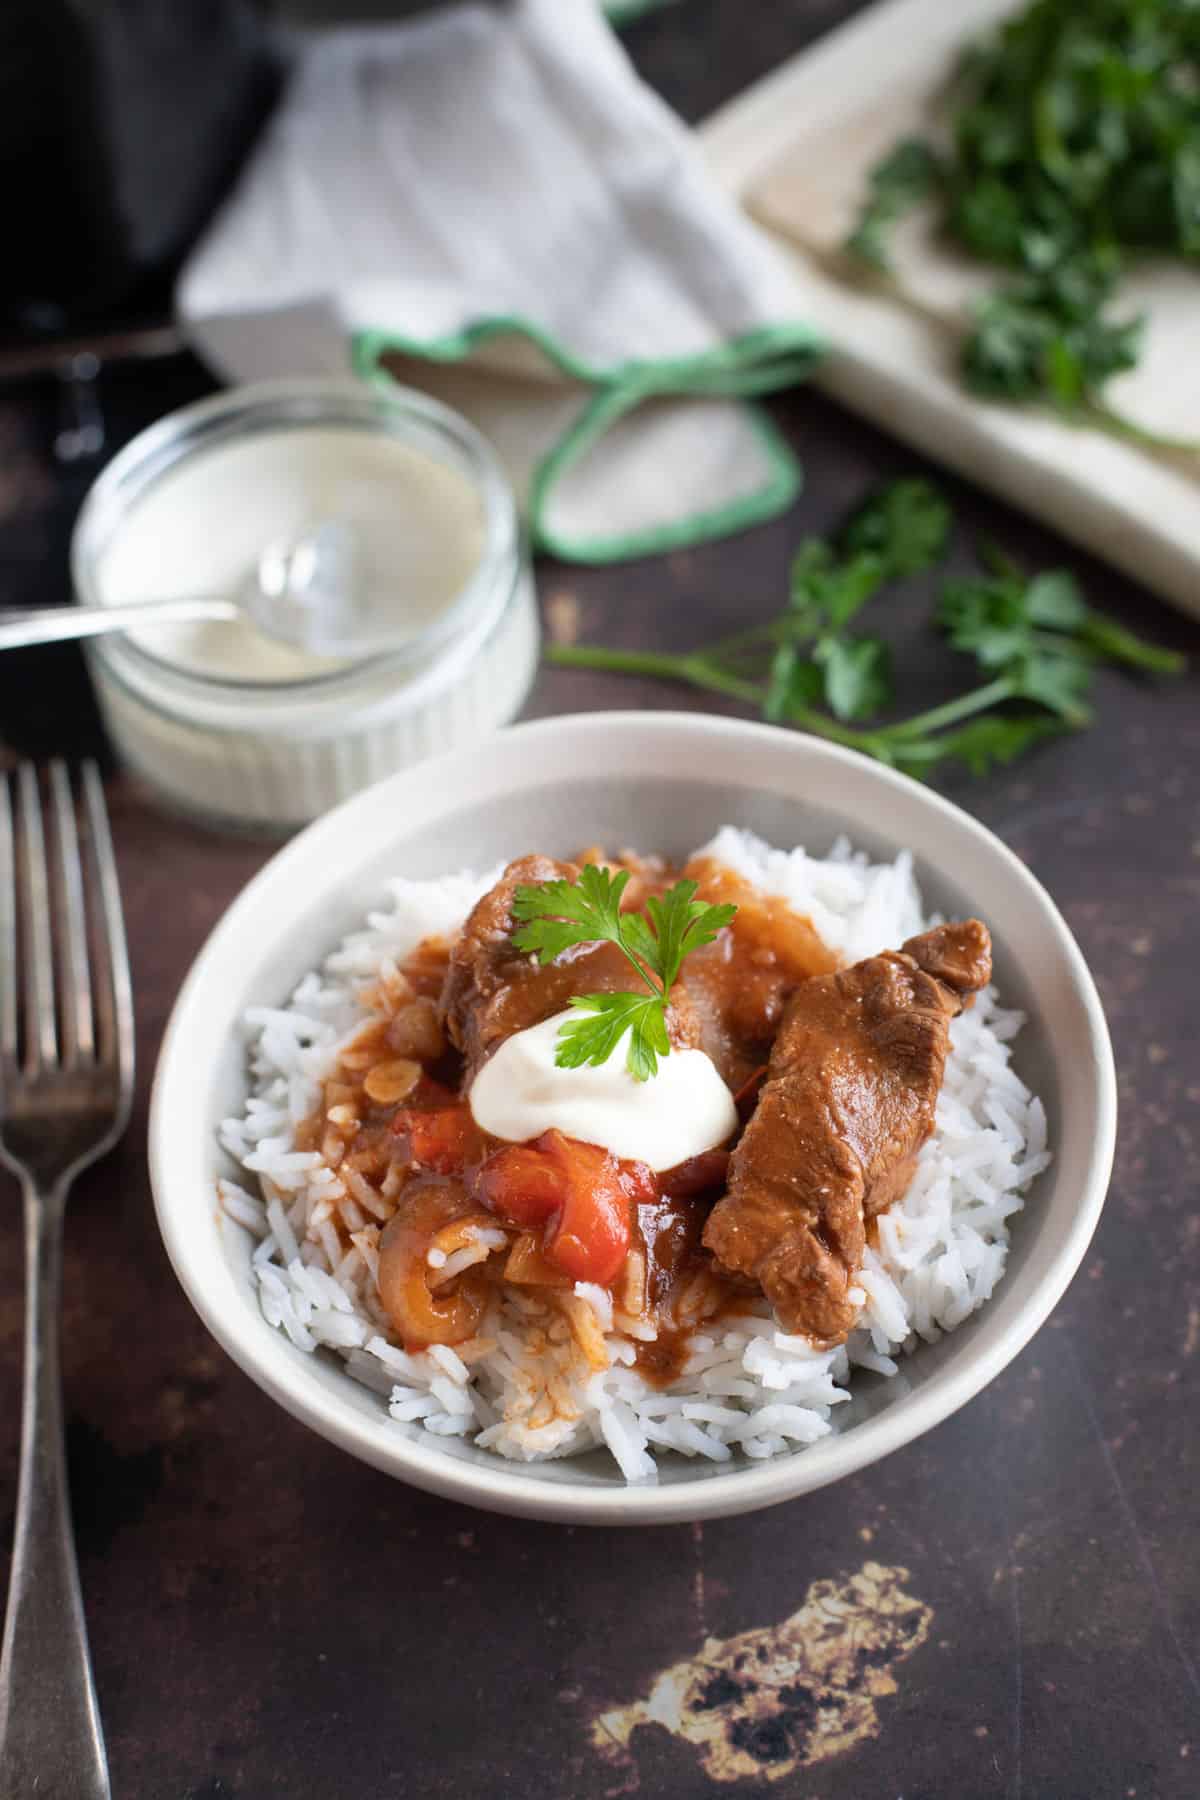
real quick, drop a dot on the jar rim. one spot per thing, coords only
(294, 404)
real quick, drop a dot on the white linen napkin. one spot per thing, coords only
(488, 204)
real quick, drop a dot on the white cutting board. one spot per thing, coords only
(794, 150)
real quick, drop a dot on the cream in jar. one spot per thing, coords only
(244, 730)
(417, 528)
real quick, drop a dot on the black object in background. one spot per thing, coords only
(121, 124)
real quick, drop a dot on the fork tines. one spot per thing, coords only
(65, 998)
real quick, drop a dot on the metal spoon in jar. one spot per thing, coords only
(304, 593)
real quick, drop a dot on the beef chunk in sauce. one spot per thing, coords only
(849, 1100)
(492, 990)
(739, 985)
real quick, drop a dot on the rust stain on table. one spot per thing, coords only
(771, 1701)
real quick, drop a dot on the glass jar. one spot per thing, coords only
(244, 752)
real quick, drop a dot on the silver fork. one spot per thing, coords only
(66, 1078)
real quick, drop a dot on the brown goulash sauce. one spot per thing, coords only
(400, 1068)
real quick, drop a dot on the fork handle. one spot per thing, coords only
(51, 1741)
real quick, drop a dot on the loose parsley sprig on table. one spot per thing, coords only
(558, 914)
(1033, 637)
(1074, 143)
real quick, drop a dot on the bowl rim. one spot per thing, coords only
(508, 1487)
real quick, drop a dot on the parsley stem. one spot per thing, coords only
(1108, 419)
(823, 726)
(907, 732)
(708, 674)
(699, 669)
(758, 637)
(938, 717)
(1101, 639)
(629, 662)
(1059, 644)
(1107, 638)
(651, 981)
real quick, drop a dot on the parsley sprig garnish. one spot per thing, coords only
(556, 915)
(1074, 147)
(1034, 638)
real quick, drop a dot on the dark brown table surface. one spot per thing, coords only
(269, 1618)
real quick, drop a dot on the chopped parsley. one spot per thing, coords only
(1074, 147)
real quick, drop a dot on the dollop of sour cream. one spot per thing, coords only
(680, 1112)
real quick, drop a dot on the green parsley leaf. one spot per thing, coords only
(850, 585)
(1185, 191)
(857, 673)
(794, 683)
(669, 921)
(1056, 683)
(1042, 633)
(704, 926)
(980, 745)
(809, 573)
(828, 591)
(562, 913)
(985, 616)
(604, 1020)
(906, 524)
(1053, 599)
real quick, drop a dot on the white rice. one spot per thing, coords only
(523, 1387)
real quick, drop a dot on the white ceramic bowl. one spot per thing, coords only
(660, 782)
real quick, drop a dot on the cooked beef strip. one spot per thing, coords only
(848, 1102)
(959, 955)
(492, 990)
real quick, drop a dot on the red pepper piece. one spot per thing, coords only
(446, 1140)
(580, 1195)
